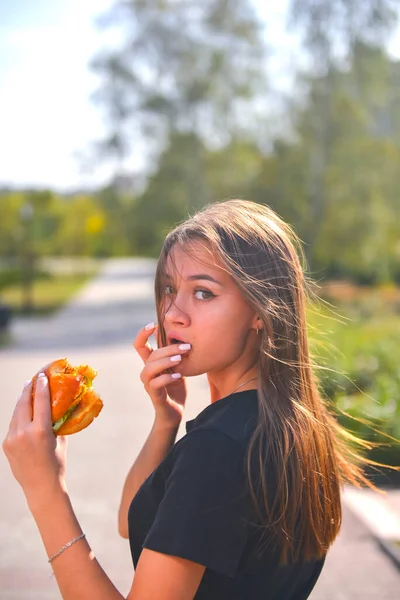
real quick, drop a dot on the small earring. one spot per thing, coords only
(257, 330)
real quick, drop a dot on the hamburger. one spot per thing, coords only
(74, 403)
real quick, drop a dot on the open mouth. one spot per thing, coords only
(175, 341)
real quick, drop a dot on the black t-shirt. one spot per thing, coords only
(196, 505)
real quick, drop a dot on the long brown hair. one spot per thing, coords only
(311, 454)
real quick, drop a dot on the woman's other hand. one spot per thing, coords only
(37, 457)
(166, 390)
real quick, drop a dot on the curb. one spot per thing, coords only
(390, 549)
(382, 520)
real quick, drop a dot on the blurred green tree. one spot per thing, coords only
(177, 188)
(81, 226)
(356, 229)
(336, 35)
(185, 67)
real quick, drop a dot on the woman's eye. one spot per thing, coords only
(169, 290)
(203, 294)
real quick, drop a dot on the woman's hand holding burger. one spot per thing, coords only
(161, 377)
(58, 401)
(36, 456)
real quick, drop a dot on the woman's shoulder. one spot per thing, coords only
(207, 446)
(232, 418)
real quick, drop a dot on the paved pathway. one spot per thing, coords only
(107, 311)
(98, 328)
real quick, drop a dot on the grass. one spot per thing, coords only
(5, 338)
(356, 341)
(48, 294)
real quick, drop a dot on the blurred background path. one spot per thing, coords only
(107, 311)
(98, 327)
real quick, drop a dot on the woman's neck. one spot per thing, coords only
(222, 388)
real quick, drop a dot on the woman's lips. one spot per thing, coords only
(172, 339)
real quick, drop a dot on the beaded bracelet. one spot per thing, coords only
(67, 545)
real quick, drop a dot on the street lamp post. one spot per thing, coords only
(27, 257)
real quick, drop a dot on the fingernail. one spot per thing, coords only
(150, 326)
(176, 375)
(28, 382)
(184, 347)
(42, 379)
(176, 358)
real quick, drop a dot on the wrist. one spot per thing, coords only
(161, 425)
(43, 500)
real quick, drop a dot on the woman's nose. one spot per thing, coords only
(176, 314)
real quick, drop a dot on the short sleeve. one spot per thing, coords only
(202, 516)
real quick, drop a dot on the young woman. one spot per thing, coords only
(247, 503)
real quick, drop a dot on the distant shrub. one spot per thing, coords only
(15, 276)
(359, 371)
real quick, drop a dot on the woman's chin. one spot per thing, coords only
(189, 370)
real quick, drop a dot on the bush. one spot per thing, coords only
(15, 276)
(360, 371)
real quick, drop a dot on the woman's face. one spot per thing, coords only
(204, 308)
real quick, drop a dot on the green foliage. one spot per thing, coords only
(50, 293)
(9, 277)
(14, 276)
(186, 68)
(359, 366)
(327, 24)
(81, 227)
(41, 224)
(175, 190)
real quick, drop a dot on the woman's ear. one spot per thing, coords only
(258, 325)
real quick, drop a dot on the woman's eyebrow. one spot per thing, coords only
(197, 277)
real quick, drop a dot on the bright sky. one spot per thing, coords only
(46, 116)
